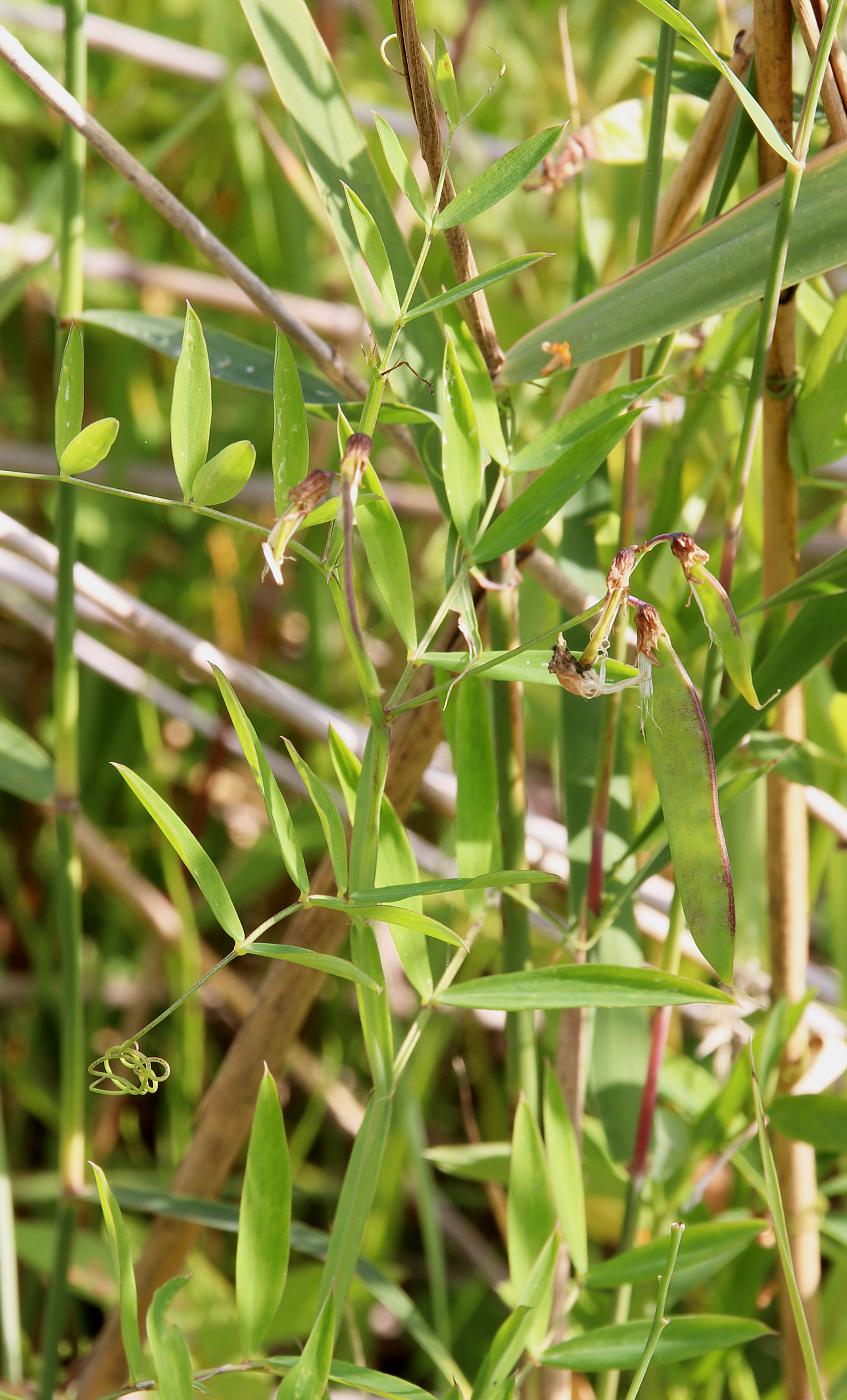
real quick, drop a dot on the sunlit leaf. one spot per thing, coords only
(70, 392)
(290, 442)
(264, 1221)
(88, 449)
(224, 475)
(460, 454)
(620, 1347)
(564, 1171)
(503, 176)
(401, 170)
(171, 1357)
(191, 404)
(591, 984)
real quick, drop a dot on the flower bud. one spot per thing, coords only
(689, 553)
(308, 493)
(356, 456)
(621, 569)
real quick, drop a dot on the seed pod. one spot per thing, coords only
(718, 614)
(684, 767)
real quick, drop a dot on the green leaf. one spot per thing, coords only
(828, 576)
(716, 609)
(547, 494)
(372, 248)
(320, 962)
(530, 1214)
(70, 391)
(264, 1219)
(290, 443)
(87, 450)
(392, 914)
(275, 805)
(678, 21)
(401, 170)
(473, 1161)
(620, 1347)
(590, 984)
(367, 813)
(472, 748)
(331, 823)
(683, 762)
(445, 82)
(818, 419)
(511, 1337)
(820, 1119)
(497, 273)
(122, 1262)
(492, 880)
(480, 387)
(385, 549)
(356, 1197)
(225, 474)
(191, 404)
(528, 666)
(460, 455)
(704, 1249)
(564, 1171)
(375, 1382)
(548, 446)
(498, 180)
(26, 770)
(171, 1357)
(190, 852)
(717, 268)
(309, 1377)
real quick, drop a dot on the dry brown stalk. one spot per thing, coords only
(432, 149)
(837, 59)
(788, 838)
(678, 206)
(833, 103)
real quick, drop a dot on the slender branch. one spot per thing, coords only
(659, 1319)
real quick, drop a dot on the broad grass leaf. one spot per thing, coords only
(190, 852)
(309, 1377)
(544, 497)
(385, 550)
(587, 984)
(191, 404)
(290, 441)
(546, 447)
(704, 1248)
(530, 1214)
(401, 170)
(26, 769)
(122, 1260)
(264, 1220)
(719, 267)
(171, 1357)
(70, 392)
(225, 474)
(320, 962)
(88, 449)
(509, 268)
(372, 249)
(275, 805)
(683, 762)
(620, 1347)
(460, 451)
(820, 1119)
(564, 1171)
(355, 1200)
(331, 823)
(498, 180)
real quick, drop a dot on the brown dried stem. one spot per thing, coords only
(833, 102)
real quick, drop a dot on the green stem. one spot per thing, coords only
(68, 883)
(10, 1315)
(773, 289)
(659, 1318)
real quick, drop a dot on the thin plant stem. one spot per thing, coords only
(659, 1319)
(10, 1313)
(770, 302)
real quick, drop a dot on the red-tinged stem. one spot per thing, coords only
(647, 1111)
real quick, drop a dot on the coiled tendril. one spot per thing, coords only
(150, 1071)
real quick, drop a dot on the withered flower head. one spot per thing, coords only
(356, 456)
(688, 552)
(308, 493)
(648, 630)
(622, 566)
(565, 667)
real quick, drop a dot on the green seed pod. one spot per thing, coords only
(684, 767)
(718, 614)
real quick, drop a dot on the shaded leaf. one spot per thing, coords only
(564, 1171)
(264, 1220)
(620, 1347)
(171, 1357)
(70, 392)
(290, 442)
(591, 984)
(530, 1214)
(460, 453)
(445, 82)
(388, 561)
(331, 823)
(321, 962)
(547, 447)
(122, 1261)
(473, 1161)
(820, 1119)
(309, 1377)
(26, 770)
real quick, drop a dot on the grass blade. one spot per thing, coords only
(122, 1261)
(264, 1220)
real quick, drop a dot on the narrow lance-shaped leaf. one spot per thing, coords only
(224, 475)
(190, 852)
(588, 984)
(486, 410)
(319, 962)
(531, 1215)
(704, 1249)
(445, 82)
(370, 242)
(308, 1378)
(354, 1202)
(565, 1171)
(264, 1220)
(328, 817)
(498, 180)
(70, 391)
(620, 1347)
(191, 404)
(393, 914)
(171, 1357)
(290, 442)
(89, 448)
(401, 170)
(122, 1261)
(385, 550)
(716, 609)
(546, 447)
(275, 805)
(460, 453)
(469, 733)
(498, 273)
(491, 880)
(684, 767)
(680, 22)
(510, 1339)
(543, 498)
